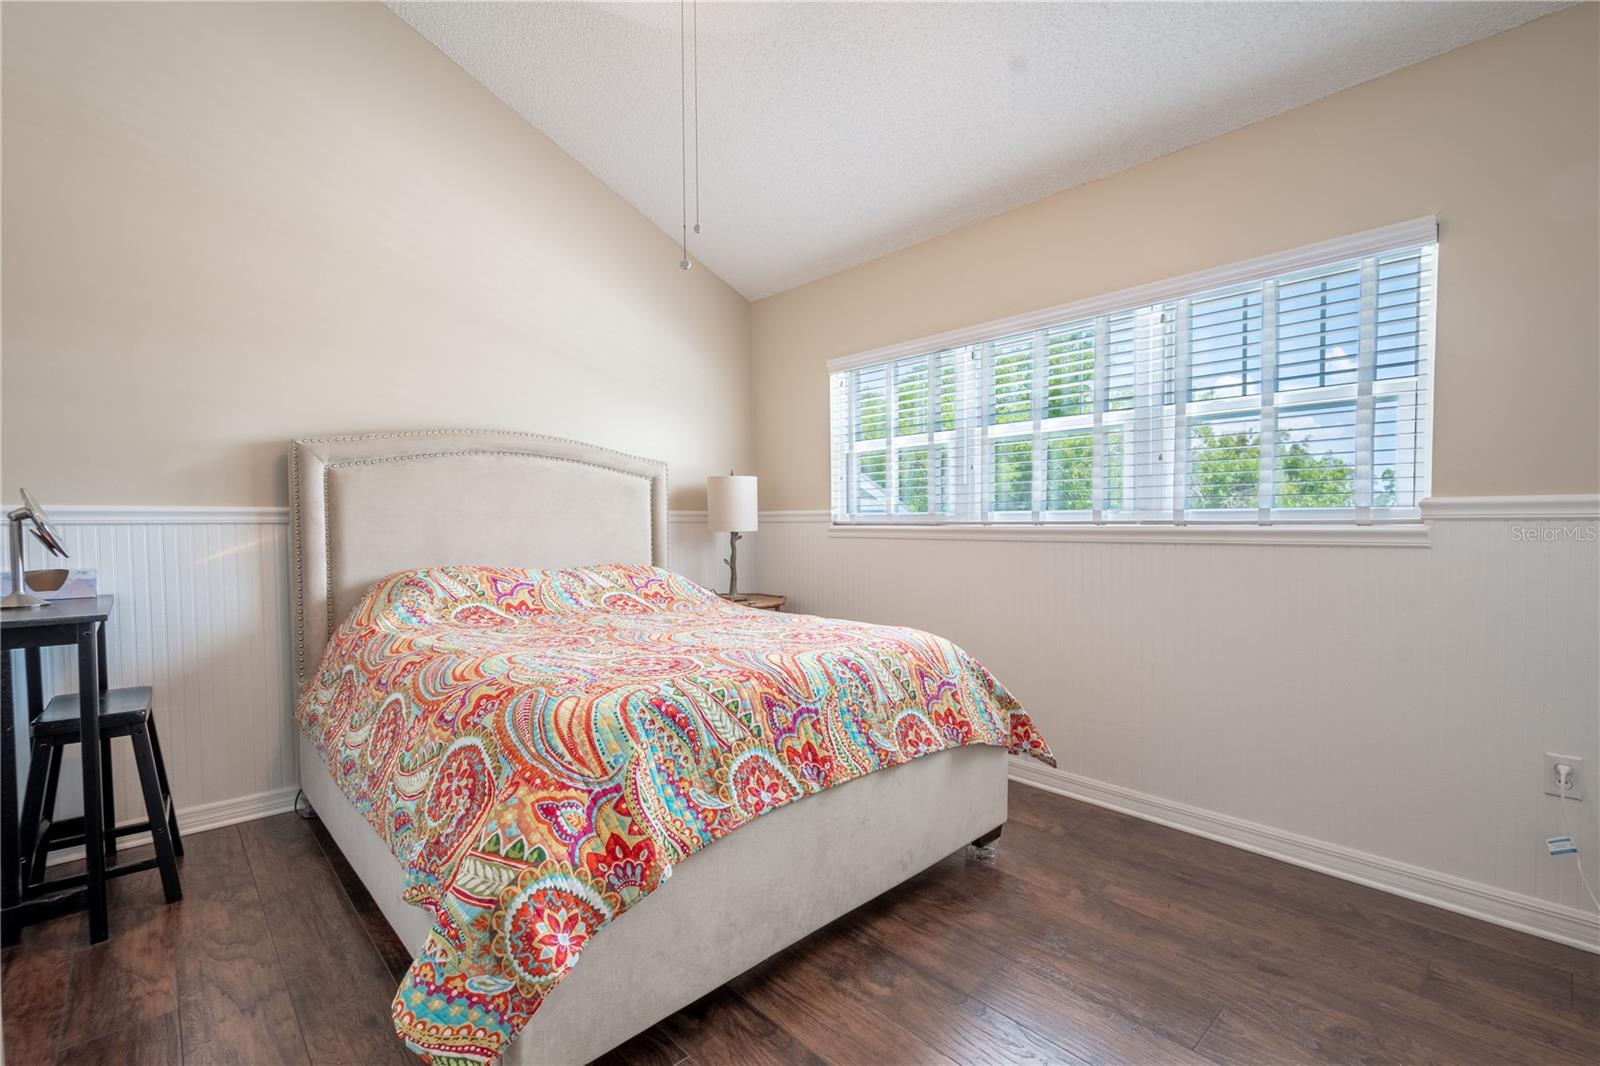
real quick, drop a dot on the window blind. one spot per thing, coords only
(1292, 388)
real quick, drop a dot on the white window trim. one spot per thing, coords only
(1380, 534)
(1416, 231)
(1371, 526)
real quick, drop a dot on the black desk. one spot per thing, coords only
(62, 622)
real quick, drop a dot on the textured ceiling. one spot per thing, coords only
(835, 133)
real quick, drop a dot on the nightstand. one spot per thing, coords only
(763, 601)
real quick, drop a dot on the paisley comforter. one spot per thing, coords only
(540, 747)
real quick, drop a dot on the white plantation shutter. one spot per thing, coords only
(1295, 387)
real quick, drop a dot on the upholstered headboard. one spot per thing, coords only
(364, 506)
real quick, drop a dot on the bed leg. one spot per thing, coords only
(983, 847)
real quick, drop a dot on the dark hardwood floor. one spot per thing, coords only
(1090, 937)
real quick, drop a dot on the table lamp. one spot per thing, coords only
(731, 509)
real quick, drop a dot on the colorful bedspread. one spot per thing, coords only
(540, 747)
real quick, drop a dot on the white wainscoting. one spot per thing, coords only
(1379, 711)
(698, 553)
(203, 614)
(1385, 720)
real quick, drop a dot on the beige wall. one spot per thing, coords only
(1498, 139)
(229, 225)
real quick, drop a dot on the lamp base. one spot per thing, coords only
(736, 597)
(20, 599)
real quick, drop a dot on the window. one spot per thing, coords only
(1292, 388)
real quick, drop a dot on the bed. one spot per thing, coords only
(369, 505)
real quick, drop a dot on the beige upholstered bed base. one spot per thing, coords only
(366, 505)
(749, 895)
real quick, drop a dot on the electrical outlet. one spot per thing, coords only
(1551, 788)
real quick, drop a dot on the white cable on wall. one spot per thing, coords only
(1577, 856)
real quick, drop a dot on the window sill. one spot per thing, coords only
(1386, 535)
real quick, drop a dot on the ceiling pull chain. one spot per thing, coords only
(697, 116)
(683, 133)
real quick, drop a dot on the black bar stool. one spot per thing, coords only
(124, 712)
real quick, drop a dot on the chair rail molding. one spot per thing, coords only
(140, 515)
(1455, 508)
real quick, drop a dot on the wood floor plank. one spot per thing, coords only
(388, 946)
(952, 1022)
(724, 1028)
(1258, 973)
(1098, 1020)
(1091, 1031)
(1515, 1005)
(340, 988)
(1276, 1029)
(1586, 995)
(653, 1047)
(233, 1002)
(131, 978)
(1228, 947)
(1537, 1018)
(152, 1042)
(906, 916)
(1346, 969)
(1266, 940)
(842, 1028)
(1252, 1035)
(34, 994)
(1013, 930)
(1398, 922)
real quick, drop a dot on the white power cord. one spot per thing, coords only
(1562, 770)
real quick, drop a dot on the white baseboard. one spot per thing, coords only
(204, 816)
(1527, 914)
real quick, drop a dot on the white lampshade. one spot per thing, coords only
(731, 503)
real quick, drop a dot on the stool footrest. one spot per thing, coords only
(68, 832)
(59, 884)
